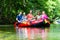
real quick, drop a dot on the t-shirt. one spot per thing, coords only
(29, 16)
(19, 17)
(24, 18)
(44, 16)
(38, 17)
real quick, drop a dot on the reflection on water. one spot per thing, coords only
(8, 33)
(26, 33)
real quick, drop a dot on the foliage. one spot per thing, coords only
(10, 8)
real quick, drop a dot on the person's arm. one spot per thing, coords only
(16, 19)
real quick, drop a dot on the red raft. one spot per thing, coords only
(23, 24)
(33, 24)
(26, 24)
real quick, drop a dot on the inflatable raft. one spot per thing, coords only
(34, 24)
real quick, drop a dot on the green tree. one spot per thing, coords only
(10, 8)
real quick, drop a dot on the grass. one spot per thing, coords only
(8, 33)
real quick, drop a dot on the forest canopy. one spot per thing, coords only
(10, 8)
